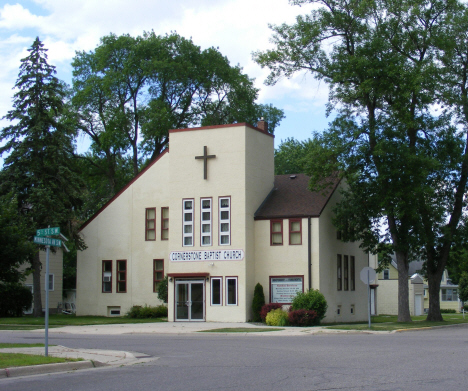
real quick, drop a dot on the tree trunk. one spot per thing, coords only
(403, 291)
(433, 280)
(37, 299)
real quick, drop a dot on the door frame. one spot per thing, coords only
(189, 281)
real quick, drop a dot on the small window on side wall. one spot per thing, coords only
(338, 273)
(158, 273)
(150, 224)
(295, 231)
(165, 223)
(121, 276)
(107, 276)
(276, 232)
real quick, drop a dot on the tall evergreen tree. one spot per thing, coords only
(40, 143)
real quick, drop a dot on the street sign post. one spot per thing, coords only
(48, 231)
(47, 241)
(367, 275)
(42, 238)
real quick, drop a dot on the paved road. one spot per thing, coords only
(417, 360)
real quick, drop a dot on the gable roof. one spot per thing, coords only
(291, 197)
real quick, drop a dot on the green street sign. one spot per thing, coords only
(48, 231)
(47, 241)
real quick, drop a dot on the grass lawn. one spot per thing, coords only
(8, 360)
(22, 345)
(28, 322)
(390, 322)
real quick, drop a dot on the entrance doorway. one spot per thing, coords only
(190, 300)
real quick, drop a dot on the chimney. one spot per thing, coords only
(262, 125)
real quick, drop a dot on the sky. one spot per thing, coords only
(236, 27)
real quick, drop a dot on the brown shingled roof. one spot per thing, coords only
(291, 197)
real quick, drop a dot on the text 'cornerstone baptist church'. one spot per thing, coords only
(210, 214)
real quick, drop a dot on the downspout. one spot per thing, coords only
(309, 233)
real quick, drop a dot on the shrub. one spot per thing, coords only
(311, 300)
(139, 312)
(267, 308)
(14, 299)
(448, 311)
(277, 317)
(258, 302)
(162, 290)
(302, 318)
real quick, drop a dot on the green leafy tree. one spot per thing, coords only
(14, 247)
(39, 168)
(138, 88)
(163, 289)
(405, 167)
(463, 288)
(291, 156)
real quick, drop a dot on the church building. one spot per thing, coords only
(210, 214)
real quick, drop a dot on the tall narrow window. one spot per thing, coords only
(216, 291)
(338, 272)
(352, 280)
(295, 231)
(225, 221)
(276, 232)
(205, 205)
(150, 224)
(386, 274)
(158, 273)
(51, 282)
(345, 273)
(188, 219)
(165, 223)
(121, 276)
(231, 290)
(106, 276)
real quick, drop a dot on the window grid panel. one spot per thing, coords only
(216, 291)
(276, 232)
(106, 276)
(295, 231)
(150, 224)
(188, 219)
(51, 282)
(206, 222)
(158, 273)
(165, 223)
(231, 290)
(353, 273)
(338, 272)
(345, 273)
(121, 276)
(225, 221)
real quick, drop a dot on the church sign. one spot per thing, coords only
(283, 289)
(209, 255)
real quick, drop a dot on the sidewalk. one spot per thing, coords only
(94, 358)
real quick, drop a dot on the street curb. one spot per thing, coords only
(48, 368)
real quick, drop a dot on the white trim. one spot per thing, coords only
(187, 237)
(227, 290)
(224, 222)
(206, 223)
(220, 279)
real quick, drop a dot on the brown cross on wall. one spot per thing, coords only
(205, 158)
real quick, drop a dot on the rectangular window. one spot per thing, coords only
(150, 224)
(225, 221)
(205, 213)
(121, 276)
(216, 291)
(231, 290)
(188, 219)
(165, 223)
(449, 295)
(158, 273)
(338, 272)
(276, 232)
(352, 280)
(295, 231)
(345, 273)
(51, 282)
(106, 276)
(386, 274)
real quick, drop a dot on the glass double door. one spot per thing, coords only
(190, 300)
